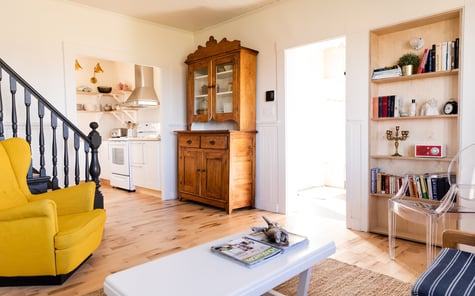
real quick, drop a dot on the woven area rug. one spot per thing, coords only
(332, 278)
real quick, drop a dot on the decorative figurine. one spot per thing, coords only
(274, 232)
(396, 138)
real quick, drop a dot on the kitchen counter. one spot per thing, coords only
(144, 162)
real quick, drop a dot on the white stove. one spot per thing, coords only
(119, 153)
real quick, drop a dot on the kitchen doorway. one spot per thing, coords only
(315, 128)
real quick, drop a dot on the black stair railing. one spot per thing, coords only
(38, 135)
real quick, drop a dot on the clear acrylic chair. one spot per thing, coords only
(459, 199)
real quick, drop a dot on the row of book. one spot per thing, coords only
(442, 56)
(428, 186)
(386, 106)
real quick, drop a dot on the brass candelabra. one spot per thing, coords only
(396, 138)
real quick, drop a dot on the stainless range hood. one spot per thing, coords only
(144, 93)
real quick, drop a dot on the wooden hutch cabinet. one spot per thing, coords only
(217, 167)
(222, 84)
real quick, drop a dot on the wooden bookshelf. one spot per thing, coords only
(386, 46)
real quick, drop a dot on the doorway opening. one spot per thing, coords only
(315, 128)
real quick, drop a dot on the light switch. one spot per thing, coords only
(269, 96)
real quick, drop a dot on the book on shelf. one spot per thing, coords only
(384, 183)
(438, 57)
(421, 68)
(433, 57)
(246, 251)
(425, 186)
(455, 62)
(443, 56)
(374, 180)
(386, 72)
(440, 185)
(294, 240)
(432, 186)
(386, 106)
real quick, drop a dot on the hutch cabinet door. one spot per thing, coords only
(225, 92)
(189, 170)
(214, 177)
(200, 85)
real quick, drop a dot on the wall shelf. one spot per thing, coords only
(416, 76)
(386, 46)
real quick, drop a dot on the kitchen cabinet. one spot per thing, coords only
(145, 163)
(217, 167)
(222, 84)
(104, 160)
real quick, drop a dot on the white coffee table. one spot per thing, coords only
(197, 271)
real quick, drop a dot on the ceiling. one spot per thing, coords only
(189, 15)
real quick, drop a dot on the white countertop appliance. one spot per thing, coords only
(150, 130)
(118, 132)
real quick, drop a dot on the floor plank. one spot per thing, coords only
(141, 228)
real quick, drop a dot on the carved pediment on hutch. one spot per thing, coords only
(213, 48)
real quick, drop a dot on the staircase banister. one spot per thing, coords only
(48, 105)
(92, 141)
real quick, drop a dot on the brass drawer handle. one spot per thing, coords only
(212, 142)
(189, 142)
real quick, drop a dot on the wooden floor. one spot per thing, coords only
(140, 228)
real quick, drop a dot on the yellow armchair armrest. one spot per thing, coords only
(71, 200)
(28, 232)
(41, 208)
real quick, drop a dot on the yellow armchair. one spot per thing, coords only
(45, 237)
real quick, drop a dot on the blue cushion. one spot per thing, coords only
(451, 273)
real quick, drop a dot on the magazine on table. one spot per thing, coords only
(294, 240)
(246, 251)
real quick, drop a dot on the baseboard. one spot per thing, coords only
(148, 191)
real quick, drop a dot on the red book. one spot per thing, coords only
(385, 106)
(423, 61)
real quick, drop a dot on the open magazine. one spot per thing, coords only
(294, 240)
(246, 251)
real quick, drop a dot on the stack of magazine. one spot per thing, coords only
(255, 248)
(387, 72)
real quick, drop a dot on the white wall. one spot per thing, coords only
(297, 22)
(40, 40)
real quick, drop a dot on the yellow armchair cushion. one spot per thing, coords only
(75, 228)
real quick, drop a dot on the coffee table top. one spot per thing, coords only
(198, 271)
